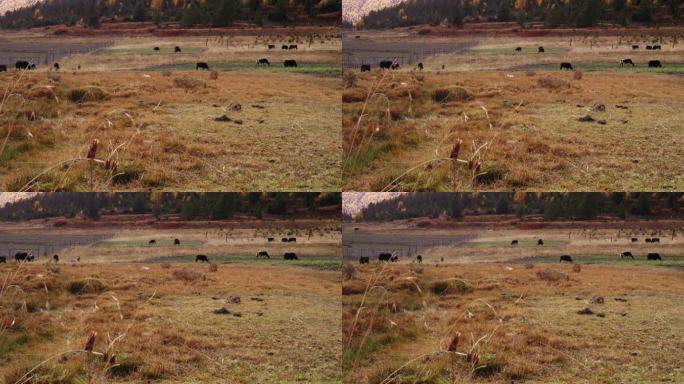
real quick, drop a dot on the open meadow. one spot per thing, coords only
(160, 315)
(163, 123)
(521, 121)
(481, 310)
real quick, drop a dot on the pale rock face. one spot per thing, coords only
(9, 197)
(354, 10)
(10, 5)
(354, 202)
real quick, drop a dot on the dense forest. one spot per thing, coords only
(190, 13)
(550, 205)
(579, 13)
(188, 206)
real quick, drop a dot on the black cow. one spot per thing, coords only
(365, 68)
(292, 46)
(21, 256)
(566, 258)
(284, 47)
(386, 64)
(263, 61)
(394, 259)
(21, 64)
(419, 259)
(653, 256)
(202, 258)
(364, 260)
(263, 254)
(290, 256)
(626, 254)
(292, 240)
(384, 256)
(420, 66)
(540, 50)
(270, 239)
(626, 61)
(176, 242)
(518, 49)
(55, 66)
(514, 242)
(3, 68)
(648, 47)
(284, 240)
(648, 240)
(3, 259)
(634, 239)
(567, 66)
(156, 49)
(55, 258)
(290, 63)
(177, 49)
(271, 46)
(635, 47)
(655, 240)
(153, 241)
(540, 242)
(202, 65)
(31, 67)
(395, 66)
(656, 47)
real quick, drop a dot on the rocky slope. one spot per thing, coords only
(10, 5)
(354, 10)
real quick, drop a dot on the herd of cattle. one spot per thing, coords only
(388, 256)
(389, 64)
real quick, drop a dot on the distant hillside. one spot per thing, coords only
(354, 10)
(354, 202)
(10, 197)
(189, 13)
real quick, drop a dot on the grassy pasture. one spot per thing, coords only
(330, 70)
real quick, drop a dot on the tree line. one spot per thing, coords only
(577, 206)
(188, 206)
(190, 13)
(579, 13)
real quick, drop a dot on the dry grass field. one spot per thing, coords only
(486, 311)
(153, 308)
(161, 124)
(516, 115)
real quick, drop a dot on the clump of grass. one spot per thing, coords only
(348, 271)
(125, 367)
(188, 275)
(214, 75)
(188, 82)
(166, 266)
(451, 286)
(126, 172)
(354, 95)
(445, 95)
(552, 82)
(576, 268)
(166, 73)
(349, 79)
(86, 286)
(551, 275)
(491, 173)
(213, 267)
(577, 75)
(83, 95)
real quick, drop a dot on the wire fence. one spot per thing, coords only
(47, 250)
(10, 57)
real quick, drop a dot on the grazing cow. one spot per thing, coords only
(292, 240)
(419, 259)
(156, 49)
(290, 63)
(567, 66)
(292, 46)
(263, 254)
(263, 61)
(202, 258)
(648, 240)
(626, 61)
(653, 256)
(656, 47)
(3, 68)
(566, 258)
(153, 241)
(384, 256)
(3, 259)
(176, 242)
(55, 258)
(514, 242)
(55, 66)
(395, 66)
(518, 49)
(394, 259)
(29, 258)
(357, 37)
(648, 47)
(540, 50)
(386, 64)
(635, 47)
(284, 47)
(270, 239)
(540, 242)
(365, 67)
(177, 49)
(364, 260)
(284, 239)
(655, 240)
(202, 65)
(420, 66)
(32, 67)
(634, 239)
(626, 254)
(290, 256)
(271, 46)
(21, 256)
(21, 64)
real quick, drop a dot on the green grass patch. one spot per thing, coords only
(318, 262)
(371, 344)
(361, 160)
(677, 68)
(148, 51)
(86, 286)
(12, 150)
(9, 343)
(332, 70)
(639, 259)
